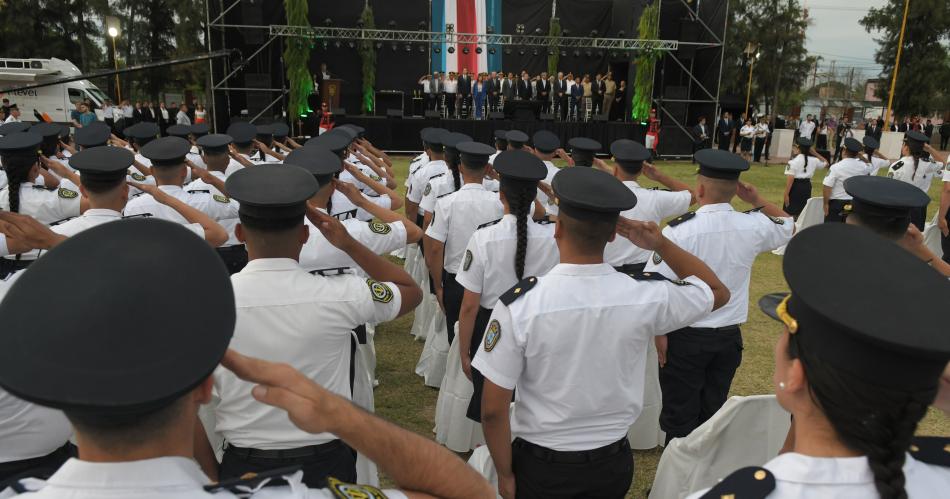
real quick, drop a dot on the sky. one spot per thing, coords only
(836, 35)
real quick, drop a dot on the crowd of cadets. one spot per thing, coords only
(558, 281)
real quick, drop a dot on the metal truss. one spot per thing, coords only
(384, 35)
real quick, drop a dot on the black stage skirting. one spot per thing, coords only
(402, 134)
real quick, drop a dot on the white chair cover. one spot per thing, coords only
(365, 366)
(645, 433)
(812, 214)
(431, 365)
(932, 237)
(747, 431)
(452, 428)
(481, 462)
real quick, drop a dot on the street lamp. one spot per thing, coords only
(113, 30)
(752, 53)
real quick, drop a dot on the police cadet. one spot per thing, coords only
(835, 197)
(583, 151)
(214, 155)
(798, 173)
(287, 315)
(501, 144)
(264, 139)
(943, 215)
(436, 165)
(546, 145)
(20, 158)
(574, 342)
(243, 149)
(448, 182)
(134, 404)
(871, 150)
(457, 216)
(516, 139)
(697, 363)
(499, 255)
(856, 379)
(918, 165)
(418, 161)
(653, 205)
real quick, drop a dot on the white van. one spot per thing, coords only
(54, 101)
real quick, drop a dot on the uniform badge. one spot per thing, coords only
(468, 260)
(380, 291)
(657, 259)
(350, 491)
(138, 177)
(776, 220)
(67, 193)
(380, 228)
(427, 190)
(219, 198)
(492, 335)
(375, 177)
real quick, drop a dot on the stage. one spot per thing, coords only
(402, 134)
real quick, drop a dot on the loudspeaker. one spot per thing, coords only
(432, 114)
(496, 115)
(546, 117)
(252, 14)
(257, 101)
(394, 113)
(339, 112)
(600, 118)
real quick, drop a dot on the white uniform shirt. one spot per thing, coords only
(799, 477)
(444, 184)
(380, 238)
(762, 130)
(841, 171)
(877, 164)
(458, 215)
(414, 165)
(27, 430)
(652, 206)
(233, 166)
(802, 167)
(156, 478)
(921, 177)
(747, 131)
(215, 206)
(196, 188)
(284, 314)
(806, 128)
(46, 206)
(575, 346)
(343, 209)
(728, 241)
(422, 177)
(488, 265)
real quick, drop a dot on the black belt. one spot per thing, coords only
(237, 248)
(802, 180)
(572, 457)
(299, 452)
(722, 329)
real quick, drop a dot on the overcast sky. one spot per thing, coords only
(836, 35)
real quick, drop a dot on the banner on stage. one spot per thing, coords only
(467, 16)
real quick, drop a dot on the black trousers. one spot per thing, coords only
(478, 381)
(432, 101)
(724, 141)
(757, 149)
(836, 209)
(234, 257)
(38, 467)
(599, 473)
(837, 155)
(452, 293)
(945, 243)
(700, 365)
(943, 142)
(699, 144)
(334, 459)
(596, 104)
(918, 217)
(450, 104)
(545, 103)
(562, 107)
(735, 144)
(797, 197)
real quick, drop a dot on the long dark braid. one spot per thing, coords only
(878, 422)
(917, 155)
(18, 172)
(520, 196)
(804, 151)
(454, 166)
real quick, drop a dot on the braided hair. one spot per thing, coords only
(453, 160)
(520, 195)
(878, 422)
(18, 172)
(804, 152)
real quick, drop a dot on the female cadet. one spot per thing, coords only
(801, 168)
(514, 243)
(747, 132)
(857, 380)
(917, 167)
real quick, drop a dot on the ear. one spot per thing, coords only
(125, 193)
(558, 229)
(795, 379)
(202, 392)
(700, 190)
(82, 190)
(304, 234)
(239, 233)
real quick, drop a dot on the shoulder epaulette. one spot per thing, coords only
(656, 276)
(61, 221)
(897, 166)
(488, 224)
(544, 221)
(330, 272)
(446, 194)
(518, 290)
(931, 450)
(23, 485)
(252, 480)
(658, 189)
(747, 483)
(345, 215)
(682, 218)
(437, 176)
(200, 191)
(753, 210)
(44, 187)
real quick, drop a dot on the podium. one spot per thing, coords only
(330, 92)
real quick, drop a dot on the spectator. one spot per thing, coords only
(182, 117)
(929, 129)
(148, 112)
(200, 114)
(75, 114)
(86, 115)
(617, 109)
(325, 119)
(944, 135)
(14, 115)
(701, 136)
(108, 113)
(5, 107)
(164, 117)
(137, 114)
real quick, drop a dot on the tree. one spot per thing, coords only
(923, 75)
(297, 60)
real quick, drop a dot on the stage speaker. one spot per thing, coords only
(600, 118)
(496, 115)
(339, 112)
(394, 113)
(546, 117)
(252, 14)
(257, 101)
(432, 114)
(676, 109)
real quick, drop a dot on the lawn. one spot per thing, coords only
(402, 398)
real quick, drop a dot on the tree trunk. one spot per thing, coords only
(81, 33)
(129, 32)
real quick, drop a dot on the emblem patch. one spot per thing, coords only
(492, 335)
(67, 193)
(219, 198)
(375, 177)
(350, 491)
(657, 259)
(427, 190)
(380, 291)
(380, 228)
(138, 177)
(776, 220)
(468, 260)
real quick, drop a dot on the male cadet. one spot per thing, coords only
(214, 154)
(574, 342)
(546, 145)
(435, 166)
(501, 144)
(653, 205)
(307, 321)
(185, 132)
(516, 139)
(875, 158)
(264, 140)
(134, 404)
(167, 155)
(697, 363)
(583, 150)
(836, 198)
(242, 149)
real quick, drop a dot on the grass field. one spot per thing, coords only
(402, 398)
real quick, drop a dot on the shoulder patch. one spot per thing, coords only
(468, 260)
(518, 290)
(897, 166)
(343, 490)
(380, 291)
(682, 218)
(138, 177)
(752, 482)
(427, 190)
(488, 224)
(375, 177)
(252, 480)
(931, 450)
(67, 193)
(379, 228)
(656, 276)
(221, 199)
(657, 259)
(492, 335)
(776, 220)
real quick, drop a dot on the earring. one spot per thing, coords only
(781, 385)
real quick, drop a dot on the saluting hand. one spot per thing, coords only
(650, 171)
(28, 230)
(330, 227)
(153, 190)
(349, 190)
(748, 193)
(645, 235)
(546, 189)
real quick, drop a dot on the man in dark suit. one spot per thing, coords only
(508, 87)
(736, 126)
(597, 89)
(465, 91)
(544, 92)
(725, 131)
(493, 87)
(149, 113)
(524, 87)
(873, 130)
(560, 92)
(701, 137)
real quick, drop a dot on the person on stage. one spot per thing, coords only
(480, 95)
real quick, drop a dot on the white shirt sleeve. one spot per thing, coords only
(215, 206)
(795, 165)
(439, 228)
(197, 229)
(4, 250)
(380, 238)
(381, 201)
(59, 204)
(774, 231)
(673, 203)
(429, 197)
(471, 273)
(417, 186)
(687, 301)
(500, 357)
(378, 301)
(830, 179)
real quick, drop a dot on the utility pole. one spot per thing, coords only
(897, 63)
